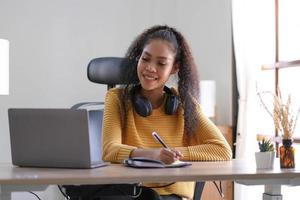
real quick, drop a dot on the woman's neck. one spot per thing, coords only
(156, 97)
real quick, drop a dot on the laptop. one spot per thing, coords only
(63, 138)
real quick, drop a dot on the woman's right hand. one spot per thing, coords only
(167, 156)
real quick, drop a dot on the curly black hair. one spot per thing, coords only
(188, 82)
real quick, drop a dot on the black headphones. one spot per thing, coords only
(143, 106)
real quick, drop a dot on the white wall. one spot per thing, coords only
(51, 43)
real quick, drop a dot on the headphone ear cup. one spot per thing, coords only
(142, 106)
(171, 105)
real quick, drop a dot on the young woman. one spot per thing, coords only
(145, 105)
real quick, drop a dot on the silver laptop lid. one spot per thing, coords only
(55, 137)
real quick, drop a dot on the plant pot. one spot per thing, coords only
(264, 160)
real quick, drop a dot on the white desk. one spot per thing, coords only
(244, 172)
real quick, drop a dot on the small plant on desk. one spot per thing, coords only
(265, 157)
(265, 146)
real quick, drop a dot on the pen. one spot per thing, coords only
(157, 138)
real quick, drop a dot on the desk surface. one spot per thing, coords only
(236, 170)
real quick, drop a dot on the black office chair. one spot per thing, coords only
(109, 71)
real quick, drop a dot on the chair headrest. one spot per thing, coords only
(106, 70)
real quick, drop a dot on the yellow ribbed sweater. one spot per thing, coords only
(208, 144)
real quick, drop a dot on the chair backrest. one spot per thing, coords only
(106, 70)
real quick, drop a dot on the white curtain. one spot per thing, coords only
(253, 36)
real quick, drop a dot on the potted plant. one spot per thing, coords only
(265, 157)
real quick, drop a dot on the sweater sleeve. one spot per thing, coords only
(207, 143)
(112, 148)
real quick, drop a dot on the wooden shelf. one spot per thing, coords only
(281, 64)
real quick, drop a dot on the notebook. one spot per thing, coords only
(141, 162)
(64, 138)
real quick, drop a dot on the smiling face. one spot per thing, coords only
(155, 65)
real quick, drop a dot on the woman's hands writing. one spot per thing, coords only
(165, 155)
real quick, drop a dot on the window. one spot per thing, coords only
(288, 51)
